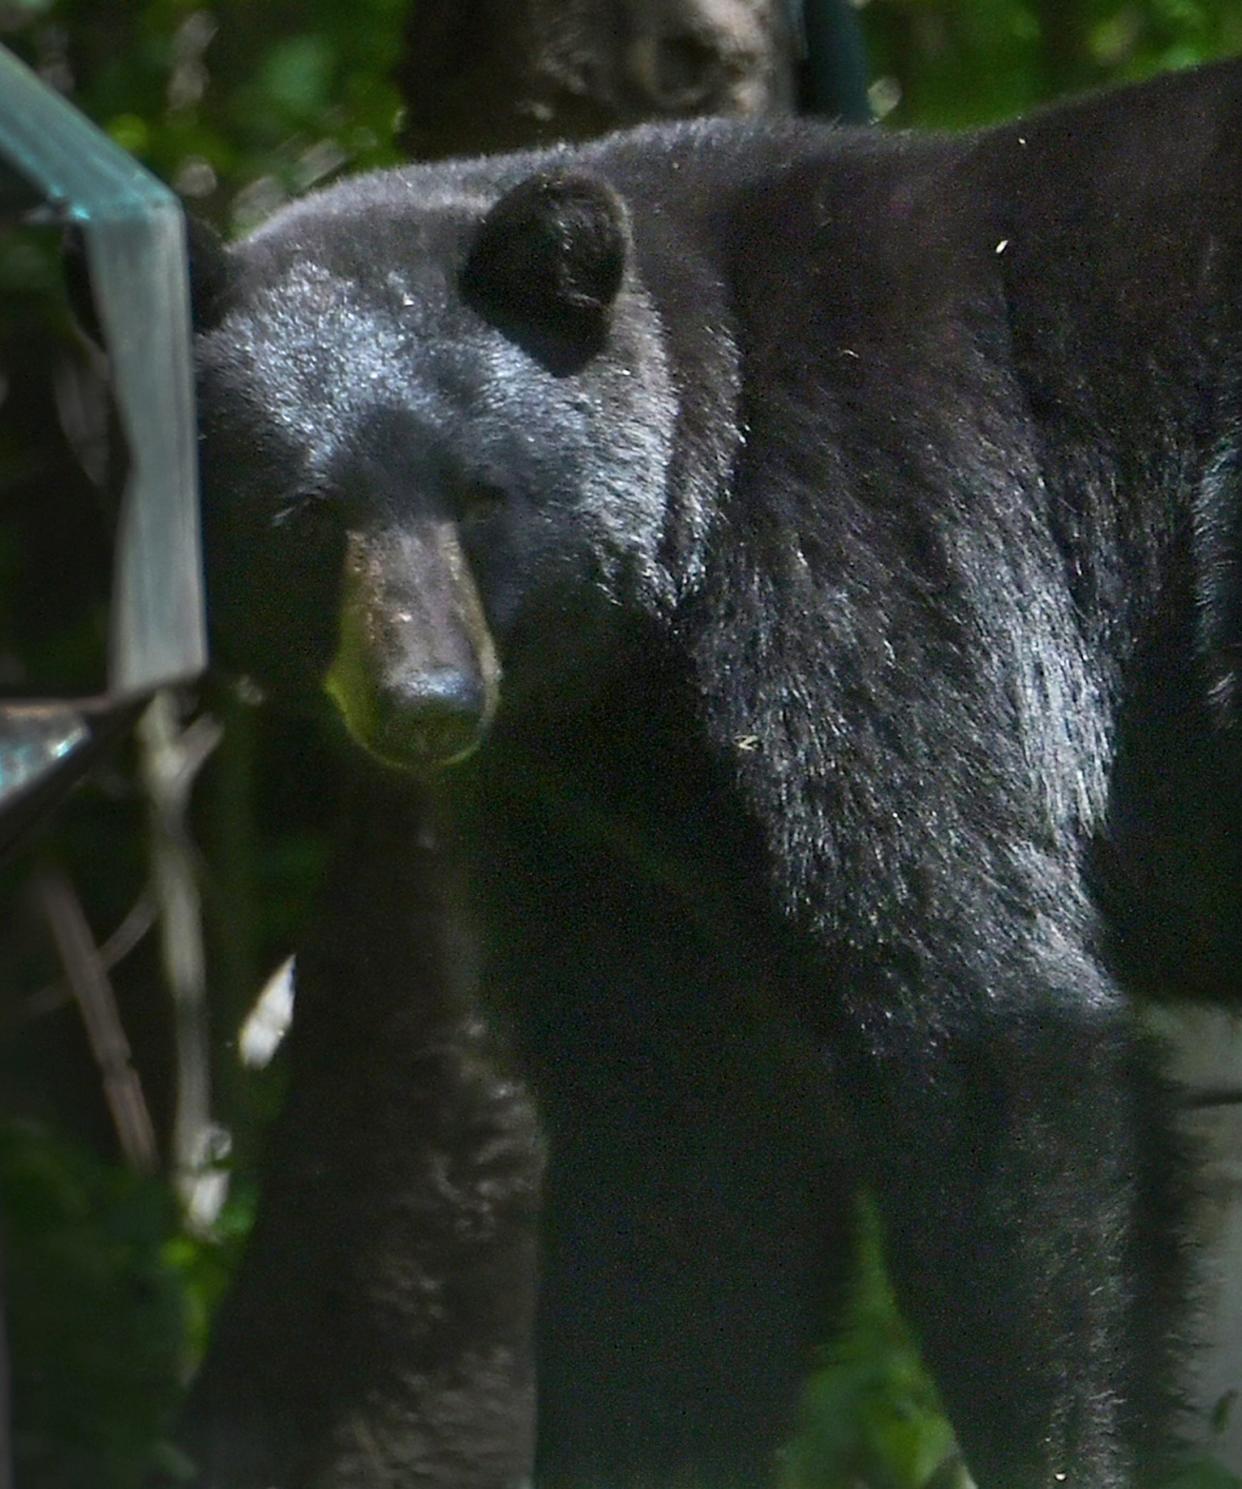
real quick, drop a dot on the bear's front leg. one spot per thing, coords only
(1022, 1147)
(379, 1333)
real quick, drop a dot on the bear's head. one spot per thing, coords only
(437, 426)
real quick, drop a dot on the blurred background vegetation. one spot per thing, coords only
(107, 1285)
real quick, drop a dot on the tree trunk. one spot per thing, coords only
(487, 75)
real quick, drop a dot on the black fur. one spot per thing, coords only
(869, 594)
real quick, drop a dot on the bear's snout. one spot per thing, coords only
(415, 674)
(436, 720)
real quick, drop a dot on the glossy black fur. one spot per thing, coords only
(899, 712)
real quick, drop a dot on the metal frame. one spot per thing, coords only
(57, 166)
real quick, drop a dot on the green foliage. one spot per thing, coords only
(955, 62)
(236, 105)
(106, 1307)
(871, 1415)
(1202, 1473)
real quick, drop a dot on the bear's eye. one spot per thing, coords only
(475, 501)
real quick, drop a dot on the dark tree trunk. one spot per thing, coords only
(485, 75)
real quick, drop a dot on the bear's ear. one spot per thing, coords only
(546, 266)
(208, 277)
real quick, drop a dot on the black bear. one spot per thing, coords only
(842, 531)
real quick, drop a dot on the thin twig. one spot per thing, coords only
(139, 919)
(96, 1000)
(171, 757)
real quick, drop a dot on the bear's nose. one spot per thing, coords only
(431, 720)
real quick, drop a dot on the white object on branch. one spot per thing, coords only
(268, 1021)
